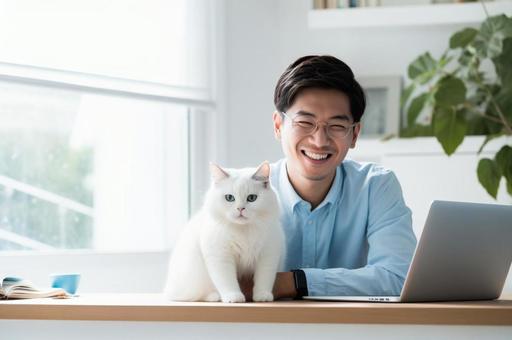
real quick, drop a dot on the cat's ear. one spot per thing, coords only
(217, 173)
(262, 174)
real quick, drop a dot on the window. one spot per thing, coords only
(84, 170)
(95, 106)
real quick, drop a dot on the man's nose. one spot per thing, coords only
(320, 136)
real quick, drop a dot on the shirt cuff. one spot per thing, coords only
(315, 278)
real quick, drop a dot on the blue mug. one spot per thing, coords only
(68, 282)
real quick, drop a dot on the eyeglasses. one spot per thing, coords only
(306, 125)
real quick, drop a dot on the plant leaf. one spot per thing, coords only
(503, 64)
(415, 108)
(451, 92)
(504, 160)
(478, 125)
(489, 175)
(463, 38)
(503, 100)
(449, 128)
(489, 40)
(443, 61)
(423, 67)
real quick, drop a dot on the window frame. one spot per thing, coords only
(21, 78)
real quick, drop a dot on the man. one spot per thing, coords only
(348, 230)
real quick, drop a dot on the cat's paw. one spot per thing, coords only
(262, 296)
(233, 297)
(212, 297)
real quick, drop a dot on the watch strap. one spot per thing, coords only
(301, 285)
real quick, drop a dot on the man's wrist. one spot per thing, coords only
(284, 286)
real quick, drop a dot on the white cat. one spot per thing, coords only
(236, 234)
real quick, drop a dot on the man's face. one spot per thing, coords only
(315, 156)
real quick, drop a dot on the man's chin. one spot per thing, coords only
(318, 174)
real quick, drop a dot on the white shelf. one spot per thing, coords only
(422, 146)
(418, 15)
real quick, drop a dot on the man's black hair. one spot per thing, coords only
(324, 72)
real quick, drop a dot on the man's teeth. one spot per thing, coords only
(317, 156)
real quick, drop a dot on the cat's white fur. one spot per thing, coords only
(218, 246)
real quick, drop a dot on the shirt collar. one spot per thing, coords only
(334, 191)
(290, 198)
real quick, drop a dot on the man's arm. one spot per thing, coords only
(391, 244)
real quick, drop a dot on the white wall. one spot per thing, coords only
(252, 53)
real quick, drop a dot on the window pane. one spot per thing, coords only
(84, 170)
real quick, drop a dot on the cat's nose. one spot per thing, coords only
(241, 209)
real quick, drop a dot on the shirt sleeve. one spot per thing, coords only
(391, 244)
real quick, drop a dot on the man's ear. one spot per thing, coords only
(355, 134)
(278, 122)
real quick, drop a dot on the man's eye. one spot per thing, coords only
(304, 123)
(338, 127)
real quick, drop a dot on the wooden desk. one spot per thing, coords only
(153, 307)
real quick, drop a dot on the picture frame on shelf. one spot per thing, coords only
(382, 114)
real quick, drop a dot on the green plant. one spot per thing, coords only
(452, 97)
(45, 160)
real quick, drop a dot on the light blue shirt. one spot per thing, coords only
(358, 241)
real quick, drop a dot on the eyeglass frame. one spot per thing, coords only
(350, 128)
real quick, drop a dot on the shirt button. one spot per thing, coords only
(310, 222)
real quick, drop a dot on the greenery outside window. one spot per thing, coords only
(83, 170)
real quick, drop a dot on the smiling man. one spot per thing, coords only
(348, 230)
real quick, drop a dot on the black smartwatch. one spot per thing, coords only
(301, 285)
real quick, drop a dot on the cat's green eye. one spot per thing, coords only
(230, 198)
(252, 198)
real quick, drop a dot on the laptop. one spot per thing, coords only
(464, 253)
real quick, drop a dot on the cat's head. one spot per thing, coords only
(242, 196)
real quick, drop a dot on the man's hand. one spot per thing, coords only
(284, 286)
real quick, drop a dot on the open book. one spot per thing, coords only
(16, 288)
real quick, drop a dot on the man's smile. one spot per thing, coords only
(316, 157)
